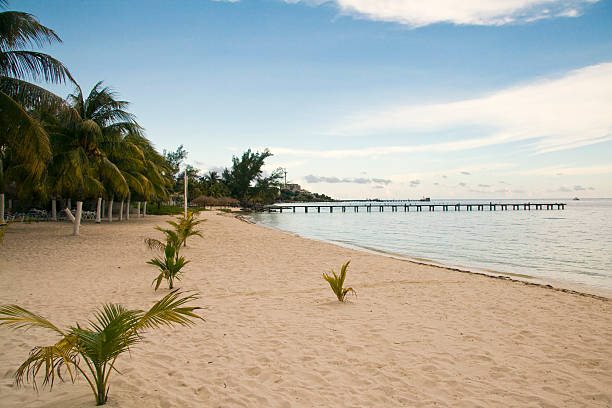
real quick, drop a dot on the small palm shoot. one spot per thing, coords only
(185, 226)
(170, 264)
(93, 350)
(171, 237)
(337, 282)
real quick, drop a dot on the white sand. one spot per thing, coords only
(275, 337)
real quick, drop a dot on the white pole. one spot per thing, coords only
(185, 193)
(144, 209)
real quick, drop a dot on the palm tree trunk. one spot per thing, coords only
(144, 211)
(1, 208)
(69, 205)
(110, 210)
(69, 214)
(138, 212)
(127, 210)
(54, 209)
(103, 207)
(98, 211)
(121, 211)
(77, 218)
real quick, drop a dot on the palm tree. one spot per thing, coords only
(22, 139)
(83, 143)
(169, 264)
(92, 351)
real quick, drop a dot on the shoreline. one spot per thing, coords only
(275, 336)
(553, 284)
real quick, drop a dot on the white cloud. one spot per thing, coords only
(568, 171)
(563, 113)
(418, 13)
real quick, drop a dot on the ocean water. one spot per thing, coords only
(571, 246)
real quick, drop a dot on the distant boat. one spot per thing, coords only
(576, 199)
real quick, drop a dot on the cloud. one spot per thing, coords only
(568, 171)
(580, 188)
(378, 187)
(553, 114)
(436, 184)
(334, 180)
(463, 184)
(564, 189)
(484, 185)
(418, 13)
(444, 176)
(415, 183)
(467, 173)
(382, 181)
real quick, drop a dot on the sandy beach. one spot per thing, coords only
(274, 335)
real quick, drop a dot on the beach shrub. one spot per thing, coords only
(92, 350)
(169, 265)
(337, 282)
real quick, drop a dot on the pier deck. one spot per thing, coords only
(406, 207)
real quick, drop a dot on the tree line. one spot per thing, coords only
(88, 146)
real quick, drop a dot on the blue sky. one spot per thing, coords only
(363, 98)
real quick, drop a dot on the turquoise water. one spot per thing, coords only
(572, 245)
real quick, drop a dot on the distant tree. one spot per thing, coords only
(245, 180)
(175, 159)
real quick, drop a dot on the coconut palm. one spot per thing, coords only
(92, 350)
(22, 139)
(170, 265)
(83, 143)
(336, 282)
(186, 227)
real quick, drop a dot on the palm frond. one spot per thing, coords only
(22, 30)
(32, 65)
(23, 135)
(31, 96)
(53, 358)
(153, 243)
(17, 317)
(170, 310)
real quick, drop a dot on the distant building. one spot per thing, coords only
(292, 187)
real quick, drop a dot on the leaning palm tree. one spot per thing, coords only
(21, 137)
(93, 350)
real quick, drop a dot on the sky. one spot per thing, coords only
(396, 99)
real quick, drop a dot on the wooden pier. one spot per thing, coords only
(418, 207)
